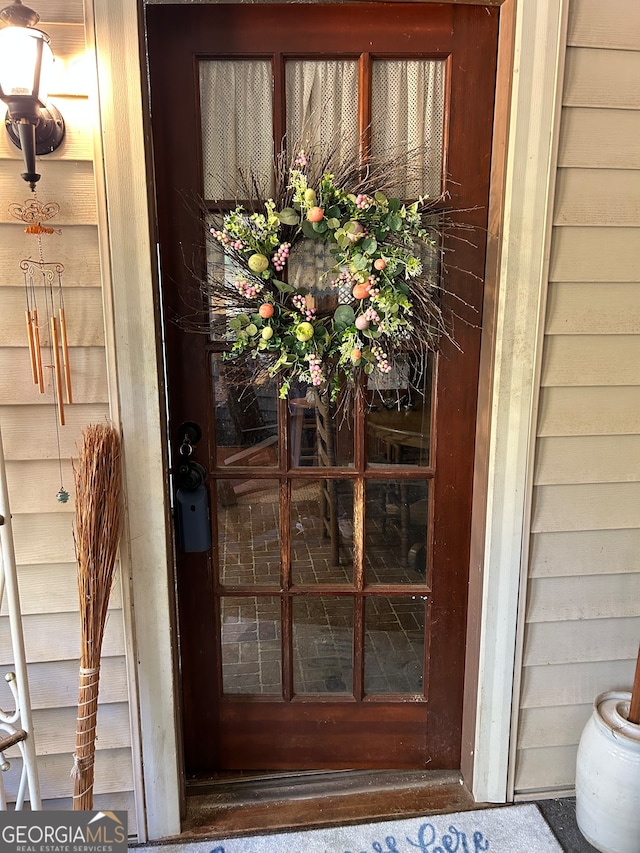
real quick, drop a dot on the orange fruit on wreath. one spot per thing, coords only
(361, 291)
(356, 355)
(266, 310)
(315, 214)
(380, 263)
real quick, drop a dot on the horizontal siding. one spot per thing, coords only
(602, 308)
(83, 313)
(589, 411)
(574, 683)
(582, 360)
(70, 183)
(55, 728)
(587, 459)
(600, 139)
(53, 588)
(43, 537)
(608, 197)
(541, 727)
(113, 773)
(546, 769)
(65, 627)
(615, 24)
(609, 79)
(584, 640)
(42, 527)
(595, 253)
(590, 506)
(29, 432)
(566, 599)
(62, 12)
(88, 377)
(76, 247)
(55, 683)
(584, 553)
(582, 610)
(33, 485)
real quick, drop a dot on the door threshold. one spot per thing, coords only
(223, 808)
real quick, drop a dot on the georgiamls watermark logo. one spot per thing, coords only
(63, 832)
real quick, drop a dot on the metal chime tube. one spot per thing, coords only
(36, 344)
(32, 347)
(55, 346)
(65, 355)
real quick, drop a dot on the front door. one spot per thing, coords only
(325, 625)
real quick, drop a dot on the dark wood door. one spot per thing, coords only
(325, 628)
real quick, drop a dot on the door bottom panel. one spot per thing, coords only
(323, 735)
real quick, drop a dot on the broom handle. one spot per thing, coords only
(634, 708)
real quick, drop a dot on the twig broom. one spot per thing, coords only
(98, 481)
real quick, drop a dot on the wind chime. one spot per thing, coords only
(44, 313)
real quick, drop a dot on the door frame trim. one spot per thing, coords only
(524, 154)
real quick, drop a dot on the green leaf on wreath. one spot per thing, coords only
(283, 287)
(308, 230)
(333, 212)
(359, 262)
(368, 368)
(343, 317)
(320, 227)
(369, 245)
(333, 223)
(394, 204)
(288, 216)
(380, 198)
(394, 222)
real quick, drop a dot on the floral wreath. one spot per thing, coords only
(387, 301)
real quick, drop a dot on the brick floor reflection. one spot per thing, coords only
(249, 545)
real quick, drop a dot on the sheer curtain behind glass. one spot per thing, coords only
(236, 98)
(322, 106)
(407, 109)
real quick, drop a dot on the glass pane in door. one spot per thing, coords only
(321, 531)
(413, 92)
(322, 107)
(248, 532)
(394, 644)
(323, 645)
(396, 531)
(236, 140)
(399, 414)
(245, 416)
(250, 645)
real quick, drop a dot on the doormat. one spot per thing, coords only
(509, 829)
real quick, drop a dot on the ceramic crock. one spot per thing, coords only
(608, 777)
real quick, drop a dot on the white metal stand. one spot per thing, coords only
(17, 724)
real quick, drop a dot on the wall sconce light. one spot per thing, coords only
(26, 61)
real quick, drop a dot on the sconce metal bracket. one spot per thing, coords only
(49, 130)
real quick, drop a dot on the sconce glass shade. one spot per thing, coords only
(26, 62)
